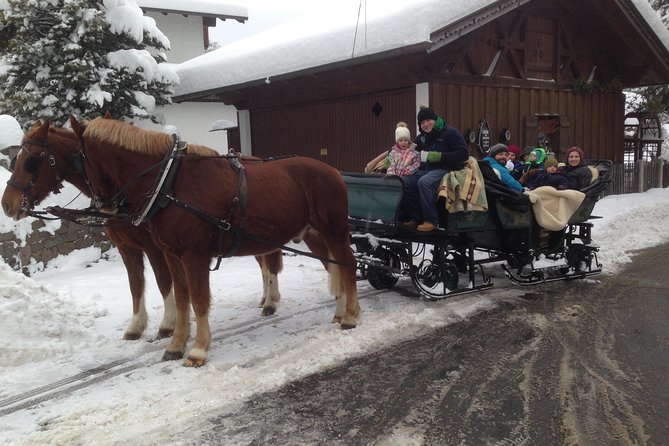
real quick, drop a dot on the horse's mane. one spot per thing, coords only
(136, 139)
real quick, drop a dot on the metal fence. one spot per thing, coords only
(639, 176)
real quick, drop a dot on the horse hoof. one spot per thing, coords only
(268, 311)
(164, 333)
(131, 336)
(194, 362)
(345, 326)
(171, 356)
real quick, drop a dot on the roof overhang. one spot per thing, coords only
(202, 8)
(471, 22)
(344, 64)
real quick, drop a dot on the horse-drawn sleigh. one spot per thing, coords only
(452, 259)
(182, 205)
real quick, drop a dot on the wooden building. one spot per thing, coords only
(532, 70)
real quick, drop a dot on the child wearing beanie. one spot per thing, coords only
(551, 176)
(403, 159)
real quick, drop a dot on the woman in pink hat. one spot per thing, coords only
(577, 172)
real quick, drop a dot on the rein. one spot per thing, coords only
(159, 197)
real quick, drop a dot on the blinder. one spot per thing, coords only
(31, 164)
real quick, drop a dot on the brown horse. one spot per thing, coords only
(212, 212)
(30, 185)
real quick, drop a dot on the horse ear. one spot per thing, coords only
(107, 115)
(43, 129)
(76, 126)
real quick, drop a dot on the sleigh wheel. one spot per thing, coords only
(383, 279)
(435, 280)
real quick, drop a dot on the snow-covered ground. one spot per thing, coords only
(66, 377)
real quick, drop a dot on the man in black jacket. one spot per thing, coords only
(442, 149)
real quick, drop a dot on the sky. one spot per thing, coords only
(66, 377)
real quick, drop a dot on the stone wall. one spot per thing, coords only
(42, 246)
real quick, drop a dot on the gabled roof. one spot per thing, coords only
(201, 8)
(342, 37)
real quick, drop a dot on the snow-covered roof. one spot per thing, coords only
(203, 8)
(340, 33)
(323, 39)
(10, 132)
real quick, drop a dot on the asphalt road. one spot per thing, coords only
(570, 363)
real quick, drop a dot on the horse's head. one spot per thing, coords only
(44, 161)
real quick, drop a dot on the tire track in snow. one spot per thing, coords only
(89, 377)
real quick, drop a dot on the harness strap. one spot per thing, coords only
(240, 199)
(164, 184)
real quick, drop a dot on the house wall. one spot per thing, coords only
(591, 121)
(194, 120)
(345, 133)
(185, 34)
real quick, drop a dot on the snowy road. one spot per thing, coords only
(573, 363)
(67, 378)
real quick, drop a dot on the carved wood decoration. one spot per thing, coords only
(527, 44)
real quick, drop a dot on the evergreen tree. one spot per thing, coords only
(61, 57)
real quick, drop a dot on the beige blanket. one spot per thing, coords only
(553, 208)
(464, 189)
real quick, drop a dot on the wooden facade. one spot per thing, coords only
(537, 68)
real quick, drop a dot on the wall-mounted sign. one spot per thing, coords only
(484, 140)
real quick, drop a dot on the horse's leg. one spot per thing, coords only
(342, 274)
(164, 281)
(196, 268)
(133, 259)
(263, 272)
(271, 265)
(177, 347)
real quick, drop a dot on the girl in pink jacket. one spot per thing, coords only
(403, 159)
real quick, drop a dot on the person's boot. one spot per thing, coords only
(426, 227)
(411, 224)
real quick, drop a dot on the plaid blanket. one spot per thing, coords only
(464, 189)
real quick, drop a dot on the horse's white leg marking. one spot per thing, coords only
(273, 294)
(169, 321)
(138, 322)
(265, 280)
(337, 292)
(198, 354)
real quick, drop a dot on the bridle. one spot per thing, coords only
(33, 164)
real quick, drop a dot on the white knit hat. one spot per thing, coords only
(402, 131)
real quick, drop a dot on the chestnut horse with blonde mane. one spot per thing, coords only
(281, 200)
(29, 186)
